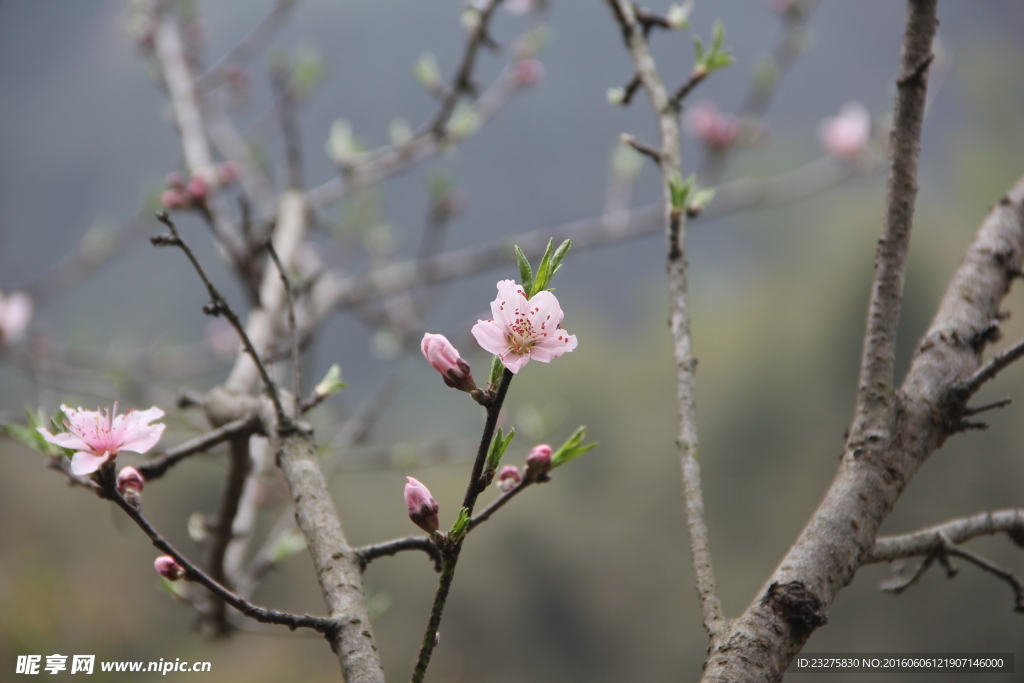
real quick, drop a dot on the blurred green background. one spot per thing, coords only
(586, 578)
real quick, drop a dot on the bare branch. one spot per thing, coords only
(250, 45)
(875, 393)
(157, 467)
(957, 531)
(667, 112)
(194, 573)
(369, 553)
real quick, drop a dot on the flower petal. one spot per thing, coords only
(83, 463)
(65, 440)
(491, 336)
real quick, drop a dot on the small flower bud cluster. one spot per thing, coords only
(195, 192)
(509, 477)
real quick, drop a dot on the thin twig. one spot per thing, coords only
(876, 386)
(218, 305)
(250, 45)
(889, 548)
(292, 331)
(679, 317)
(450, 556)
(369, 553)
(1002, 360)
(158, 466)
(194, 573)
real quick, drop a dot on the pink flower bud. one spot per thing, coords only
(704, 122)
(508, 477)
(538, 462)
(167, 567)
(175, 180)
(198, 187)
(228, 173)
(529, 71)
(444, 358)
(15, 315)
(130, 479)
(174, 199)
(422, 506)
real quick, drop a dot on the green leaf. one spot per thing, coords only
(525, 271)
(461, 525)
(497, 370)
(701, 198)
(572, 448)
(543, 271)
(427, 72)
(331, 383)
(698, 49)
(28, 434)
(680, 191)
(498, 448)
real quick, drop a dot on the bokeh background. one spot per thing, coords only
(586, 578)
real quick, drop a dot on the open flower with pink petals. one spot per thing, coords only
(98, 436)
(523, 329)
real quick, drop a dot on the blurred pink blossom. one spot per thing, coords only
(847, 134)
(98, 436)
(529, 71)
(15, 314)
(704, 122)
(523, 330)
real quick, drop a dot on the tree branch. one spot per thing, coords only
(957, 531)
(667, 112)
(875, 393)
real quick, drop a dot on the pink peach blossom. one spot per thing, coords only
(847, 134)
(15, 314)
(523, 330)
(98, 436)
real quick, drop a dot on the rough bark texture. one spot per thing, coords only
(759, 645)
(336, 563)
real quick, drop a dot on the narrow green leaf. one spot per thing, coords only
(525, 271)
(540, 283)
(460, 526)
(496, 372)
(698, 48)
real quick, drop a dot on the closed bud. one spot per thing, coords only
(167, 567)
(198, 187)
(175, 179)
(130, 479)
(508, 477)
(444, 358)
(422, 506)
(174, 198)
(538, 462)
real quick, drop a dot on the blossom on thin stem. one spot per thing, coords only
(847, 134)
(444, 358)
(422, 506)
(522, 330)
(15, 314)
(98, 436)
